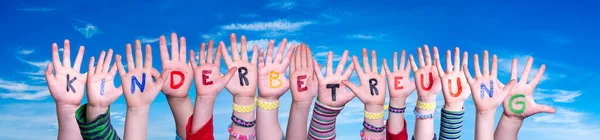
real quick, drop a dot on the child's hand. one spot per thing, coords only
(244, 83)
(331, 90)
(372, 85)
(426, 79)
(207, 76)
(303, 79)
(271, 73)
(101, 90)
(67, 84)
(519, 102)
(454, 84)
(488, 92)
(138, 87)
(180, 79)
(399, 84)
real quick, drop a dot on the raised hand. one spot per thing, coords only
(303, 79)
(138, 87)
(488, 90)
(101, 91)
(244, 83)
(208, 78)
(519, 102)
(372, 85)
(399, 83)
(180, 79)
(454, 84)
(67, 84)
(426, 79)
(331, 91)
(271, 73)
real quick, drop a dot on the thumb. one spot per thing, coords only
(351, 85)
(160, 78)
(229, 75)
(544, 109)
(508, 86)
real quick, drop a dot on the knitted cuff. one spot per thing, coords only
(322, 125)
(451, 124)
(100, 128)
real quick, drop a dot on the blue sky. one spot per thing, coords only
(556, 33)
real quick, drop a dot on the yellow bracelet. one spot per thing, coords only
(244, 109)
(374, 116)
(425, 106)
(268, 105)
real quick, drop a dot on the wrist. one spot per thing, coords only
(374, 108)
(92, 112)
(138, 109)
(243, 101)
(486, 113)
(453, 106)
(398, 102)
(427, 99)
(268, 99)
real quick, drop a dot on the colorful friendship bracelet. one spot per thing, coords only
(241, 122)
(392, 109)
(426, 106)
(362, 136)
(239, 136)
(267, 105)
(373, 128)
(243, 109)
(374, 116)
(423, 116)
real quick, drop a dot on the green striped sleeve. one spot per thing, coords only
(99, 129)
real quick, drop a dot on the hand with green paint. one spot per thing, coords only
(519, 102)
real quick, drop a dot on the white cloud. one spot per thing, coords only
(333, 15)
(505, 64)
(26, 51)
(32, 89)
(148, 39)
(86, 29)
(365, 36)
(118, 116)
(213, 36)
(557, 95)
(271, 29)
(282, 5)
(565, 124)
(322, 57)
(19, 121)
(38, 9)
(61, 49)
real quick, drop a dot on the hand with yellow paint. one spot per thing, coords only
(272, 81)
(454, 83)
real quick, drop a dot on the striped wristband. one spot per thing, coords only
(451, 124)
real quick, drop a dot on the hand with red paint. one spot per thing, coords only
(303, 79)
(399, 83)
(427, 80)
(331, 90)
(101, 90)
(180, 77)
(271, 72)
(66, 87)
(454, 84)
(519, 103)
(244, 82)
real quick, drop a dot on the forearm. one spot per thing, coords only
(296, 127)
(395, 123)
(182, 110)
(484, 125)
(377, 122)
(322, 125)
(99, 128)
(67, 123)
(243, 101)
(424, 126)
(267, 123)
(508, 128)
(203, 111)
(451, 121)
(136, 122)
(92, 111)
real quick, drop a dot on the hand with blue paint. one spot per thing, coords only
(66, 86)
(139, 89)
(488, 94)
(520, 103)
(101, 91)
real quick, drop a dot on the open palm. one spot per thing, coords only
(368, 77)
(519, 102)
(271, 73)
(303, 79)
(242, 85)
(334, 80)
(426, 80)
(207, 77)
(489, 93)
(399, 83)
(101, 90)
(67, 83)
(176, 86)
(454, 84)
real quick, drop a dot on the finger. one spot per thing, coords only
(218, 56)
(365, 60)
(427, 55)
(244, 49)
(436, 58)
(138, 54)
(467, 73)
(286, 59)
(201, 56)
(477, 68)
(374, 69)
(395, 62)
(421, 59)
(234, 47)
(402, 61)
(465, 60)
(513, 69)
(107, 61)
(209, 52)
(254, 54)
(160, 79)
(280, 50)
(67, 54)
(494, 72)
(261, 59)
(329, 65)
(269, 58)
(91, 69)
(545, 109)
(538, 76)
(100, 65)
(79, 58)
(148, 63)
(525, 75)
(225, 54)
(174, 47)
(192, 61)
(182, 50)
(449, 65)
(359, 70)
(441, 72)
(352, 86)
(309, 58)
(130, 65)
(55, 58)
(229, 75)
(120, 65)
(164, 53)
(457, 59)
(413, 65)
(342, 63)
(486, 63)
(348, 72)
(303, 57)
(292, 63)
(113, 70)
(385, 70)
(49, 76)
(298, 59)
(318, 71)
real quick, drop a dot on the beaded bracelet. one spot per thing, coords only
(426, 106)
(423, 116)
(239, 136)
(241, 122)
(374, 116)
(392, 109)
(267, 105)
(243, 109)
(362, 136)
(373, 128)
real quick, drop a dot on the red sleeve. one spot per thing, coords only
(403, 135)
(205, 133)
